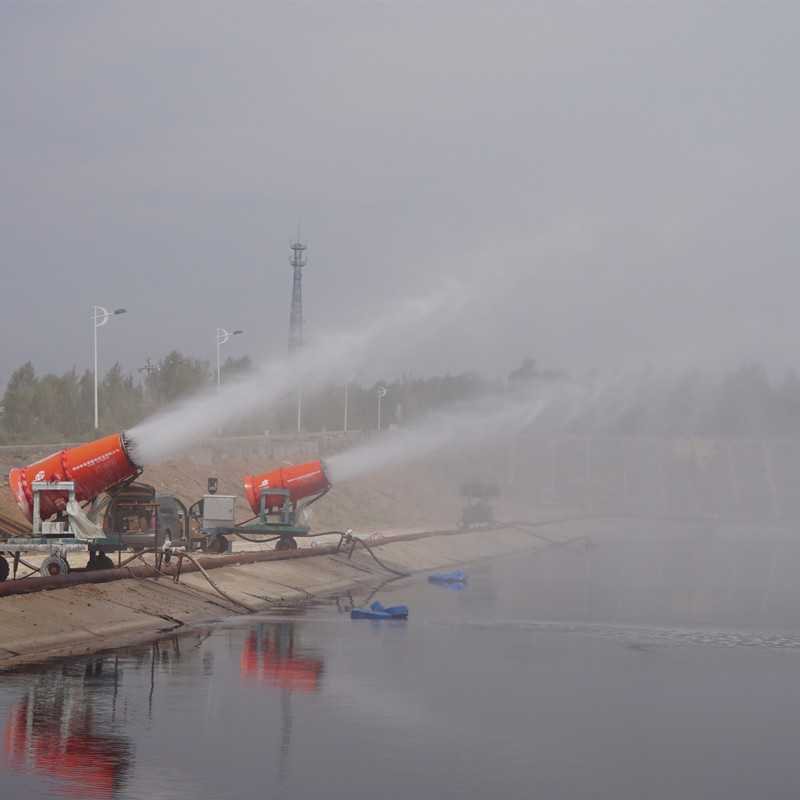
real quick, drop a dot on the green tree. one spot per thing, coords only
(18, 420)
(178, 376)
(121, 401)
(236, 368)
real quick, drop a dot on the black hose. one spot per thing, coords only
(554, 542)
(211, 581)
(254, 540)
(350, 537)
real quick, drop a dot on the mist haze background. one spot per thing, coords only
(618, 179)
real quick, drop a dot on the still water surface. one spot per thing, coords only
(664, 662)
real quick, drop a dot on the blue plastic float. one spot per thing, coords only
(377, 611)
(455, 579)
(366, 613)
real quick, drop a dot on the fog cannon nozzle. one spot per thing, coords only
(302, 480)
(94, 467)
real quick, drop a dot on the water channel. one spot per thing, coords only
(658, 661)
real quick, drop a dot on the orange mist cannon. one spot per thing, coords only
(290, 484)
(94, 467)
(274, 498)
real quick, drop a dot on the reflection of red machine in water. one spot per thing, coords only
(52, 732)
(269, 659)
(94, 467)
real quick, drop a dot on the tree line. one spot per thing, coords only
(60, 408)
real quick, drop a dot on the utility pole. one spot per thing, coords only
(148, 369)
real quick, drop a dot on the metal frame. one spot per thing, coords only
(54, 544)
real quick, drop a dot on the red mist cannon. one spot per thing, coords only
(273, 496)
(94, 468)
(290, 484)
(276, 494)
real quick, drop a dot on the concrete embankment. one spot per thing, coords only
(120, 606)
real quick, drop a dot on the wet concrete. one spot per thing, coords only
(88, 617)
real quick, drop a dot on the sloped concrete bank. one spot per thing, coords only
(115, 609)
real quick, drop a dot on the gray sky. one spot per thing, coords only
(609, 183)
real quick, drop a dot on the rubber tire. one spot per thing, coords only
(102, 561)
(5, 569)
(286, 543)
(54, 565)
(214, 544)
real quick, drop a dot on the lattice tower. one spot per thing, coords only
(297, 261)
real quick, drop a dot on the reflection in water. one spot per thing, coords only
(660, 664)
(62, 730)
(269, 658)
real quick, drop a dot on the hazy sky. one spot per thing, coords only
(597, 183)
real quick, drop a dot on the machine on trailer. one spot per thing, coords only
(479, 492)
(273, 497)
(49, 493)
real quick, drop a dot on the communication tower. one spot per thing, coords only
(297, 261)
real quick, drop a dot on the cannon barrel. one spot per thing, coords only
(94, 467)
(302, 480)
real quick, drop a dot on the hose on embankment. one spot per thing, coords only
(520, 526)
(348, 537)
(214, 585)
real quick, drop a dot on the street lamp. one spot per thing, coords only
(350, 377)
(222, 337)
(381, 393)
(100, 318)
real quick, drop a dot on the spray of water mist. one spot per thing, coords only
(595, 404)
(467, 426)
(402, 325)
(407, 325)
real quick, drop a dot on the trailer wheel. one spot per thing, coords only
(286, 543)
(101, 561)
(215, 544)
(4, 568)
(54, 565)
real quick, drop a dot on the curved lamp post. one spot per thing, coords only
(100, 317)
(222, 337)
(381, 393)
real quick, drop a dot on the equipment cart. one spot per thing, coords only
(56, 539)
